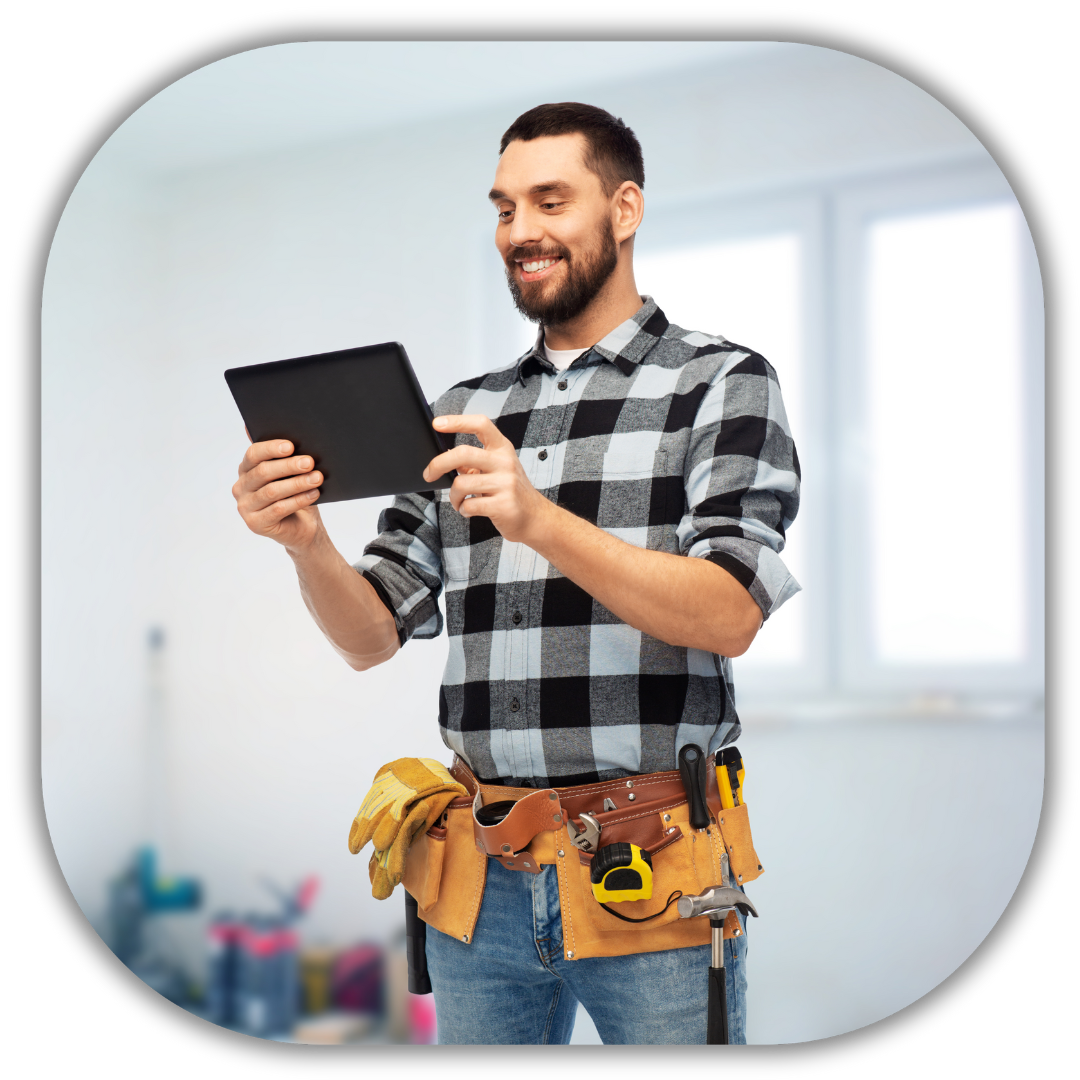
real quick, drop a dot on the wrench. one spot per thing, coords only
(587, 837)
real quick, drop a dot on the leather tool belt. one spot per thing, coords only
(446, 867)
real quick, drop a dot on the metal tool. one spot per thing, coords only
(719, 901)
(716, 903)
(587, 838)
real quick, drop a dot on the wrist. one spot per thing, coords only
(546, 523)
(314, 549)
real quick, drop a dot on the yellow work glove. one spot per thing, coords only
(407, 797)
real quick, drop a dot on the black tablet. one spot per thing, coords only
(359, 413)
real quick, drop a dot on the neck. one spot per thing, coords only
(616, 302)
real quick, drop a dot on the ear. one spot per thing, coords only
(627, 210)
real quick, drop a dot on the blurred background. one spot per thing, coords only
(204, 750)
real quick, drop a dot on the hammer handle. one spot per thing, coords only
(718, 1026)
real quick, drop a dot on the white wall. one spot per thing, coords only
(157, 283)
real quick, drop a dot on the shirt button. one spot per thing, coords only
(542, 455)
(515, 705)
(517, 617)
(562, 385)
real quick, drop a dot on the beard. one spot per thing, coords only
(586, 275)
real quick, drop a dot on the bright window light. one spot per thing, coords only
(750, 292)
(946, 473)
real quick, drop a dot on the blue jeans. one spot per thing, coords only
(513, 984)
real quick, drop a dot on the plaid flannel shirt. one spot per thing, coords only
(670, 440)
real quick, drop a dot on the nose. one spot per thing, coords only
(525, 229)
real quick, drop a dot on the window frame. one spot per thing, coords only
(831, 216)
(706, 221)
(856, 207)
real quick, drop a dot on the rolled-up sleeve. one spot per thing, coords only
(404, 564)
(742, 481)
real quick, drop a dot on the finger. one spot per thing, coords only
(474, 424)
(259, 452)
(478, 506)
(462, 458)
(276, 512)
(275, 469)
(281, 490)
(479, 484)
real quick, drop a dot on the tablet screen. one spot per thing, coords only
(360, 413)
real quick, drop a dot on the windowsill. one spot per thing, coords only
(945, 707)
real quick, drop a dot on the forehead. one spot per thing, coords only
(550, 158)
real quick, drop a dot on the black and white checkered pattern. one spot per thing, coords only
(671, 440)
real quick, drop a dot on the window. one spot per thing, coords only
(937, 531)
(944, 351)
(903, 317)
(750, 291)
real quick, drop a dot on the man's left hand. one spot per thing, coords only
(493, 475)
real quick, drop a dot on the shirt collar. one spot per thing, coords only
(625, 347)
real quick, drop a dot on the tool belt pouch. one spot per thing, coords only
(445, 873)
(684, 861)
(446, 867)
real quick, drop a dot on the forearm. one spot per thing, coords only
(344, 605)
(681, 601)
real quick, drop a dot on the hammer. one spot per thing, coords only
(716, 903)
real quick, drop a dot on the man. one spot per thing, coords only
(609, 542)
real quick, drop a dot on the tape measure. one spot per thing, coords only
(621, 872)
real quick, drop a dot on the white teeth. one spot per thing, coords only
(532, 267)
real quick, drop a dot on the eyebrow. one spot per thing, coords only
(536, 189)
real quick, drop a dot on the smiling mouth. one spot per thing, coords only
(535, 269)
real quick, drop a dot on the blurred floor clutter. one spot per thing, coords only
(254, 981)
(263, 981)
(136, 895)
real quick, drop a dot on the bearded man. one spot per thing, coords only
(610, 541)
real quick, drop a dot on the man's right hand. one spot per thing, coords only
(274, 495)
(276, 492)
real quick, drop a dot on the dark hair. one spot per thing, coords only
(612, 150)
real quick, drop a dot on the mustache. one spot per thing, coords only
(529, 254)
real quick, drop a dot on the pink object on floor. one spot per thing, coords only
(421, 1019)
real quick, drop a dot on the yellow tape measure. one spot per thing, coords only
(621, 872)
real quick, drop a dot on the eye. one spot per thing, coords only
(505, 215)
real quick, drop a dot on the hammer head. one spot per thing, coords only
(720, 899)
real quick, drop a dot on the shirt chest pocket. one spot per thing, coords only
(641, 501)
(634, 463)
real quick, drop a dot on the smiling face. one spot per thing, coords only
(556, 230)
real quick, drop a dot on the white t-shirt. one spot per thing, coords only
(562, 358)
